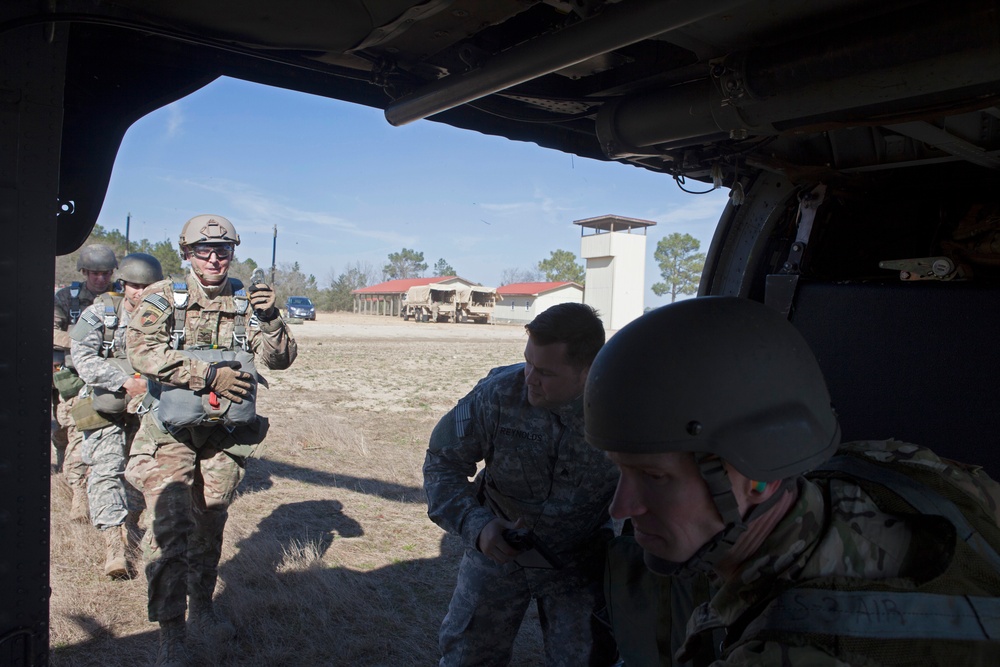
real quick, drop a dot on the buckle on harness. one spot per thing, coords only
(925, 268)
(177, 338)
(241, 340)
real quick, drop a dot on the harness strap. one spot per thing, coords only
(924, 499)
(111, 322)
(242, 303)
(74, 302)
(181, 297)
(881, 615)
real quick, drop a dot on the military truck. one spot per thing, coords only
(430, 303)
(476, 303)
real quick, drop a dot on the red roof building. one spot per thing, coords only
(387, 298)
(522, 301)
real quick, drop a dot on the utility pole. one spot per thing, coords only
(128, 221)
(274, 248)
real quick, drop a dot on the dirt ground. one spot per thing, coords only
(330, 558)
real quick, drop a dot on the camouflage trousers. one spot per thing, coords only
(490, 601)
(105, 451)
(68, 443)
(187, 489)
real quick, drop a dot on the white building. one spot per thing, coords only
(522, 301)
(615, 250)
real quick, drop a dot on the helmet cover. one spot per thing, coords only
(96, 257)
(208, 229)
(140, 268)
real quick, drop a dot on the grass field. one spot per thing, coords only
(330, 558)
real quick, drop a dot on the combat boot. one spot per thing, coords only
(205, 621)
(78, 511)
(115, 564)
(172, 652)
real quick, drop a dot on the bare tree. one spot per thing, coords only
(518, 275)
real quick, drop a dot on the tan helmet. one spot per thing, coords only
(140, 268)
(96, 257)
(208, 229)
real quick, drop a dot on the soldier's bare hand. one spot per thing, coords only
(135, 386)
(491, 542)
(226, 381)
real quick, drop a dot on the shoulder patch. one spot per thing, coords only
(157, 301)
(91, 318)
(153, 308)
(88, 322)
(149, 318)
(463, 416)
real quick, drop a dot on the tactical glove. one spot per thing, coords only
(226, 381)
(262, 299)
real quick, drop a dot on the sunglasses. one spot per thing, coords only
(205, 250)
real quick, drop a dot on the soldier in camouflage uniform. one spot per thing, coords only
(97, 263)
(98, 346)
(525, 421)
(189, 474)
(725, 442)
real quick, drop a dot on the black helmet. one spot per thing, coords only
(140, 268)
(208, 229)
(96, 257)
(722, 378)
(713, 375)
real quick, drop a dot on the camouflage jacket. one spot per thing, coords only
(208, 322)
(538, 466)
(62, 320)
(89, 356)
(835, 532)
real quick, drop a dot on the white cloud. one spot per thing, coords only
(697, 208)
(175, 119)
(512, 207)
(541, 207)
(260, 212)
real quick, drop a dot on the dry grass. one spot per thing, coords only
(329, 557)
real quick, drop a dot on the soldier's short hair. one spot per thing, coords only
(576, 324)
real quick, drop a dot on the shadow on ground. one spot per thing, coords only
(260, 471)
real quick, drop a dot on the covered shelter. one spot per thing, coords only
(387, 298)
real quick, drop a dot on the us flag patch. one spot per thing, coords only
(463, 415)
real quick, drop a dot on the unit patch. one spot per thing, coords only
(150, 317)
(154, 307)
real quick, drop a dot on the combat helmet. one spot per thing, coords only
(140, 268)
(96, 257)
(208, 229)
(723, 378)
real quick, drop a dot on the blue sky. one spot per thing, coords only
(342, 185)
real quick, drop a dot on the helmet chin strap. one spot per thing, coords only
(718, 547)
(211, 291)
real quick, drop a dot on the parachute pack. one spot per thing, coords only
(951, 618)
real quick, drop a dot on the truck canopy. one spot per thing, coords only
(431, 294)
